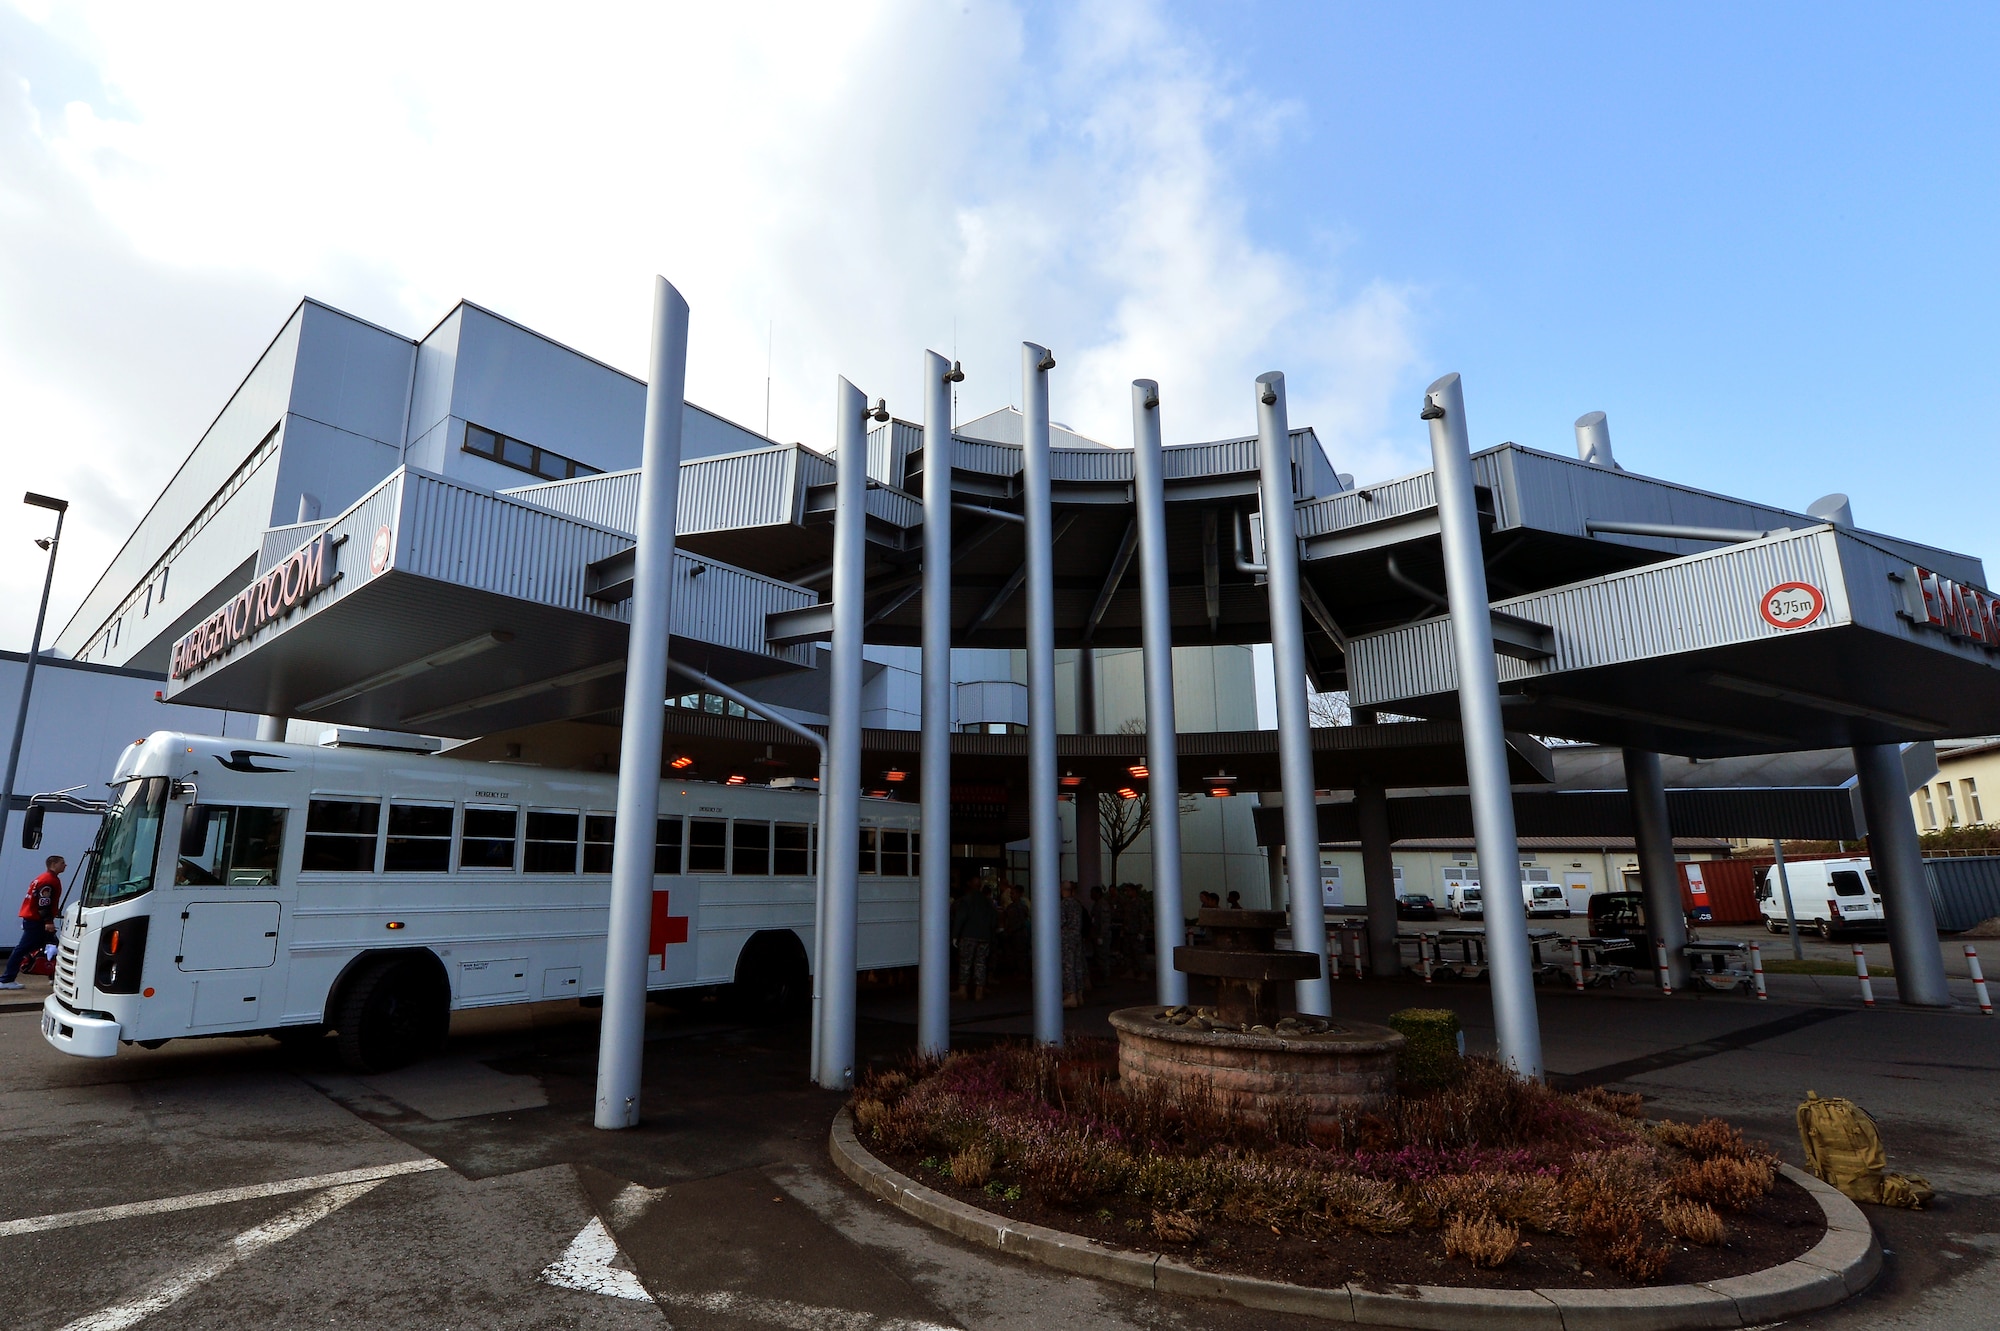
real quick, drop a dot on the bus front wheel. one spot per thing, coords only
(392, 1014)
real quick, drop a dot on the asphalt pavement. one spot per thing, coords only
(249, 1184)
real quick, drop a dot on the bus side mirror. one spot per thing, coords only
(31, 828)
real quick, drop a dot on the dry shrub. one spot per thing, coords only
(1289, 1119)
(1069, 1169)
(1364, 1203)
(1534, 1200)
(1710, 1139)
(1721, 1181)
(1481, 1240)
(870, 1115)
(1176, 1183)
(1612, 1102)
(971, 1167)
(1453, 1196)
(1612, 1233)
(1629, 1175)
(1692, 1221)
(1175, 1227)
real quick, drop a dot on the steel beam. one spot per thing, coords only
(1899, 876)
(622, 1032)
(1378, 876)
(834, 980)
(934, 866)
(1509, 971)
(1278, 498)
(1044, 819)
(1659, 875)
(1149, 500)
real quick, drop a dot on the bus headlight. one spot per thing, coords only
(121, 954)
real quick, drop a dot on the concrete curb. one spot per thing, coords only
(1841, 1264)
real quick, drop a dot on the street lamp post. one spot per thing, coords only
(60, 507)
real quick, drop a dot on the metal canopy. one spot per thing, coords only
(453, 611)
(1690, 657)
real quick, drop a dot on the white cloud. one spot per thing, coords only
(869, 180)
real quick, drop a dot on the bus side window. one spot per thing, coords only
(230, 845)
(667, 846)
(551, 843)
(895, 852)
(708, 845)
(752, 853)
(488, 840)
(868, 850)
(791, 858)
(340, 835)
(419, 839)
(599, 831)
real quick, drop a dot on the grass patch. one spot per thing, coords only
(1822, 966)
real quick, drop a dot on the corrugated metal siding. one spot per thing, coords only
(1351, 508)
(726, 606)
(737, 490)
(1225, 457)
(987, 459)
(1964, 891)
(473, 539)
(610, 500)
(889, 449)
(281, 541)
(1707, 600)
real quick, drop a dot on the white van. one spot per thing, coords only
(1545, 898)
(1828, 896)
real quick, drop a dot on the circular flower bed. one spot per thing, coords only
(1482, 1178)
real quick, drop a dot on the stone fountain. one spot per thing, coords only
(1248, 1050)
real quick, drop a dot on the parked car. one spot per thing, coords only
(1828, 897)
(1464, 901)
(1416, 906)
(1545, 899)
(1623, 915)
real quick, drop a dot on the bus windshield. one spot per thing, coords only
(127, 843)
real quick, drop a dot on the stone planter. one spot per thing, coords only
(1350, 1066)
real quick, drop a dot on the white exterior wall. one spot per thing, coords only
(81, 719)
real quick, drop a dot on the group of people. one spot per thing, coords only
(1109, 936)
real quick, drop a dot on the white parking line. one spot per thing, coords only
(222, 1196)
(167, 1292)
(792, 1316)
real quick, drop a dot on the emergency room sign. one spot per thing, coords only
(1792, 605)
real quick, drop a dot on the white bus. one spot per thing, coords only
(293, 890)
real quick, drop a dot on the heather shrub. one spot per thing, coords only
(1692, 1221)
(1176, 1227)
(1069, 1168)
(1364, 1203)
(1611, 1233)
(1612, 1102)
(1710, 1139)
(1721, 1181)
(1430, 1056)
(1481, 1240)
(971, 1167)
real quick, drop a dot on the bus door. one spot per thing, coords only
(227, 867)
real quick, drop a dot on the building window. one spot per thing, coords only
(751, 853)
(1929, 807)
(1973, 812)
(1950, 804)
(792, 856)
(667, 846)
(522, 456)
(147, 613)
(708, 845)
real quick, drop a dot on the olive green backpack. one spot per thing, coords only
(1844, 1147)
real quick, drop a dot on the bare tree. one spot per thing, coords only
(1330, 709)
(1122, 821)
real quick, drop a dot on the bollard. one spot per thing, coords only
(1861, 974)
(1666, 975)
(1424, 955)
(1576, 967)
(1757, 969)
(1978, 980)
(1334, 947)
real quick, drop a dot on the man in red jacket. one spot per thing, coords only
(38, 915)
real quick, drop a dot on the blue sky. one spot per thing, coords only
(1760, 237)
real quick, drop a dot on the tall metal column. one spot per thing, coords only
(1149, 500)
(622, 1033)
(842, 838)
(1378, 875)
(1785, 888)
(934, 885)
(1510, 966)
(271, 729)
(1277, 496)
(1899, 872)
(1089, 827)
(1659, 876)
(1044, 818)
